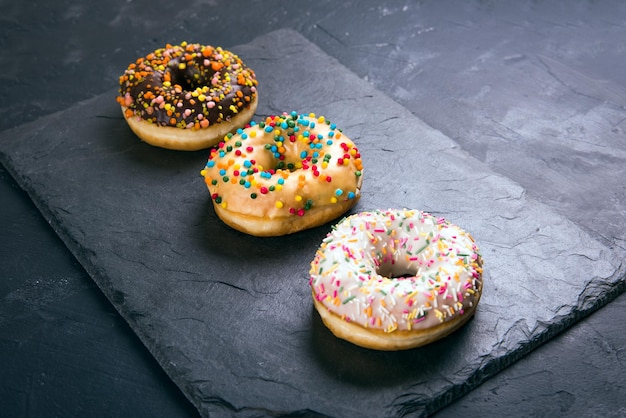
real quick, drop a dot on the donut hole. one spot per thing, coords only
(396, 271)
(299, 145)
(190, 77)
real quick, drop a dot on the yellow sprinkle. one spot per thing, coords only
(279, 204)
(182, 66)
(333, 199)
(298, 198)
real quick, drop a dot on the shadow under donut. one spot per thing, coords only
(371, 368)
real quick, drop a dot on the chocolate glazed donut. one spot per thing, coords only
(203, 92)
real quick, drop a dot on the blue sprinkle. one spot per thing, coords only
(351, 195)
(244, 136)
(303, 154)
(247, 185)
(210, 163)
(268, 129)
(247, 164)
(239, 131)
(338, 192)
(329, 142)
(281, 181)
(333, 126)
(222, 172)
(222, 154)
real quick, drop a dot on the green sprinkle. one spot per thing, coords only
(424, 247)
(348, 299)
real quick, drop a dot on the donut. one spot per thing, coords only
(395, 279)
(187, 96)
(285, 174)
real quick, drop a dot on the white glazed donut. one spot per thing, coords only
(395, 279)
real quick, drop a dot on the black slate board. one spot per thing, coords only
(229, 316)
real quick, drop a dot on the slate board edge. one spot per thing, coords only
(99, 279)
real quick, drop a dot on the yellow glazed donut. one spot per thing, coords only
(285, 174)
(187, 96)
(396, 279)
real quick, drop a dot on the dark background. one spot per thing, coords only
(64, 351)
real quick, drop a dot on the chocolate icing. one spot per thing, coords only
(186, 85)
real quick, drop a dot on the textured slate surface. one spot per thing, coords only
(229, 317)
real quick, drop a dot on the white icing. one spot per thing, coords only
(397, 270)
